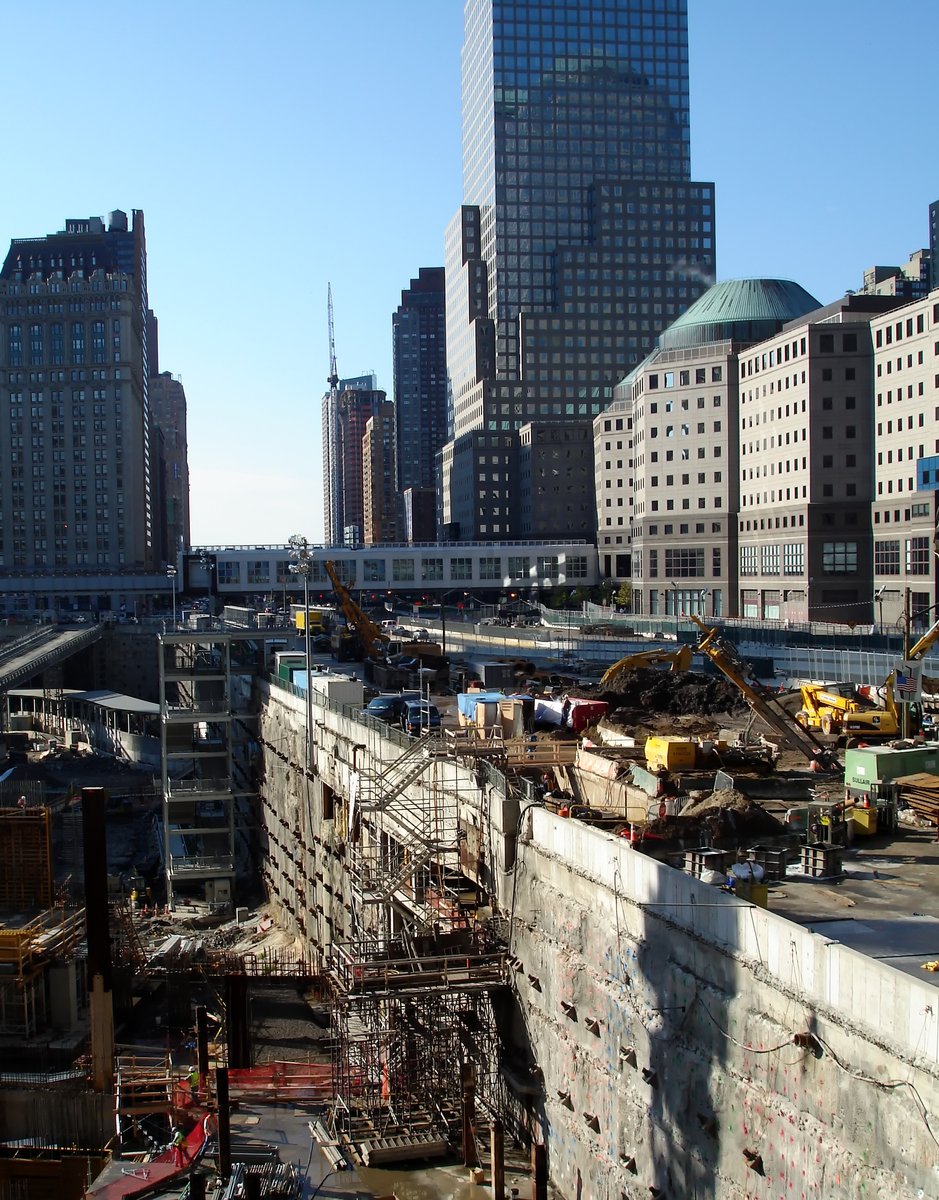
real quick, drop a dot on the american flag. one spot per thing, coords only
(907, 681)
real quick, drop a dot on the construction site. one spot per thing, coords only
(660, 931)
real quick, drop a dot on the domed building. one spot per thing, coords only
(667, 451)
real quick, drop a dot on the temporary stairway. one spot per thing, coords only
(378, 789)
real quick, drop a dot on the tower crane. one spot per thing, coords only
(333, 378)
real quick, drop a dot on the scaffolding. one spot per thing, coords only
(208, 736)
(412, 1016)
(26, 952)
(405, 845)
(413, 1023)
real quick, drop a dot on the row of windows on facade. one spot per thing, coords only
(56, 287)
(18, 378)
(703, 503)
(684, 455)
(755, 395)
(406, 570)
(54, 345)
(71, 558)
(887, 368)
(887, 334)
(681, 430)
(788, 559)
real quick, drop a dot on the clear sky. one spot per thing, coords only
(277, 147)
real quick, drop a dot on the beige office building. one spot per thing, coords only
(905, 443)
(806, 483)
(686, 439)
(613, 484)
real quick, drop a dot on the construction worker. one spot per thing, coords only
(194, 1081)
(178, 1143)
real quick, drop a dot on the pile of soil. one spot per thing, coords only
(720, 815)
(646, 690)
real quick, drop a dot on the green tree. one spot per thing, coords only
(624, 596)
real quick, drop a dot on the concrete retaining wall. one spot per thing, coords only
(686, 1041)
(663, 1014)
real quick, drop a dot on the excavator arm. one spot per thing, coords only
(922, 647)
(372, 638)
(678, 660)
(725, 657)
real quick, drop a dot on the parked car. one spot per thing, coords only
(390, 707)
(418, 716)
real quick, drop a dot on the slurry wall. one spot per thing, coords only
(664, 1016)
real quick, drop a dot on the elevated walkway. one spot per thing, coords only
(22, 659)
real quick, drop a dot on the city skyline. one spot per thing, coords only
(782, 125)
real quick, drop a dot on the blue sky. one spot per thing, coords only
(275, 148)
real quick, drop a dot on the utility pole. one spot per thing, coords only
(300, 550)
(905, 712)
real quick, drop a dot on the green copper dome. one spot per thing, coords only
(739, 310)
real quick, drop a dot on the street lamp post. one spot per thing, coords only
(171, 576)
(303, 566)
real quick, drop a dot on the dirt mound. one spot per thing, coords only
(673, 693)
(721, 816)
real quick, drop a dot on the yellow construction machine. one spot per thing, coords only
(761, 701)
(839, 709)
(678, 660)
(358, 624)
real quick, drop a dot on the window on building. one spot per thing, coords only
(461, 569)
(839, 558)
(917, 556)
(886, 558)
(794, 558)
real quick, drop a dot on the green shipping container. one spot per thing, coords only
(865, 768)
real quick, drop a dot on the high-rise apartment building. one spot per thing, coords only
(379, 481)
(934, 244)
(581, 234)
(346, 411)
(75, 469)
(420, 378)
(168, 410)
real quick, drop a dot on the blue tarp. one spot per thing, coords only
(467, 701)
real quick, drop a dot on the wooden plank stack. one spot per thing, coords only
(921, 793)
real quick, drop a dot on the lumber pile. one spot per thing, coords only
(921, 793)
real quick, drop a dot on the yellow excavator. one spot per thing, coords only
(840, 709)
(678, 660)
(359, 626)
(761, 701)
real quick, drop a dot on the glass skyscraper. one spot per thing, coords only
(581, 236)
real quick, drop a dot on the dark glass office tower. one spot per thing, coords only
(581, 236)
(420, 378)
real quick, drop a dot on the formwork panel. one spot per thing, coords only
(26, 855)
